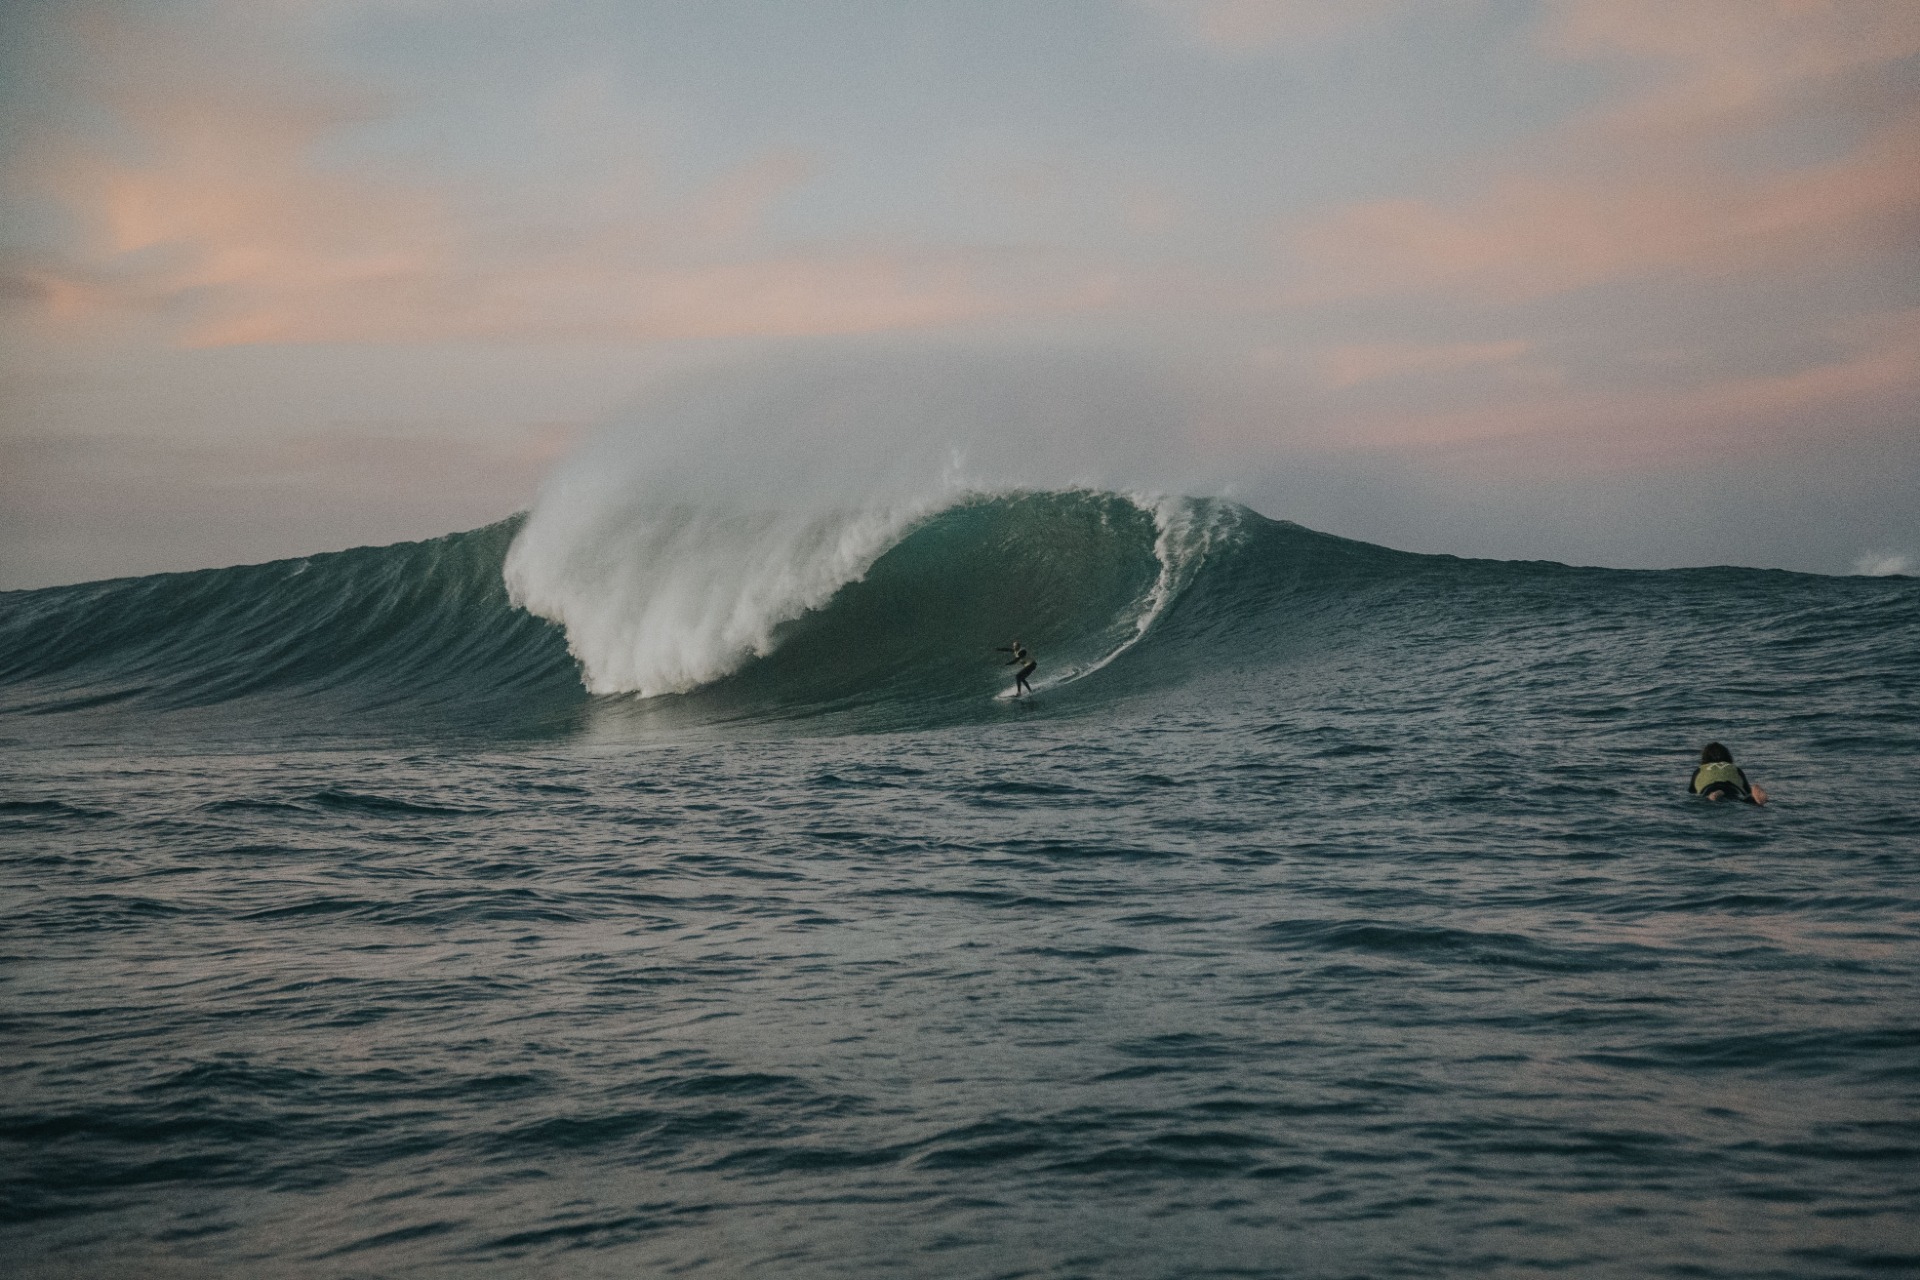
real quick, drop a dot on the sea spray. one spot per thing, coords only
(892, 612)
(675, 546)
(665, 599)
(1186, 530)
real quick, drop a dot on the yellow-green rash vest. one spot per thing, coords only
(1718, 771)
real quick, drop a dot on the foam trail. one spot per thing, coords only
(1185, 531)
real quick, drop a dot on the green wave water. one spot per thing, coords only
(1116, 596)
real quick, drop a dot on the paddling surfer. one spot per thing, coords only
(1719, 778)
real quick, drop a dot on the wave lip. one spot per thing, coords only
(1079, 576)
(665, 599)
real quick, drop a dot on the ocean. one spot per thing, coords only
(682, 896)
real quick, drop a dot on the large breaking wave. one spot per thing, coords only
(720, 613)
(667, 599)
(849, 619)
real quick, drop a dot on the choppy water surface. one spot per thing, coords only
(1346, 917)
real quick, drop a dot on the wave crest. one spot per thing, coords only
(665, 600)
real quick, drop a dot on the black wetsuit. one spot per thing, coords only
(1722, 786)
(1021, 655)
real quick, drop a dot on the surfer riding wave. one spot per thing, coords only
(1025, 660)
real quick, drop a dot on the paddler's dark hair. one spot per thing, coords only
(1714, 753)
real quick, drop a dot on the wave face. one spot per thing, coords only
(677, 617)
(802, 611)
(422, 629)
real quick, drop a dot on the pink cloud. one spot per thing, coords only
(1355, 364)
(216, 217)
(1532, 235)
(737, 204)
(1253, 26)
(1872, 387)
(1725, 63)
(257, 245)
(1645, 184)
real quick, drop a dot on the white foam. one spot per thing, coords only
(1185, 530)
(674, 546)
(1882, 564)
(663, 600)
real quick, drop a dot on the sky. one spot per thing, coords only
(1622, 282)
